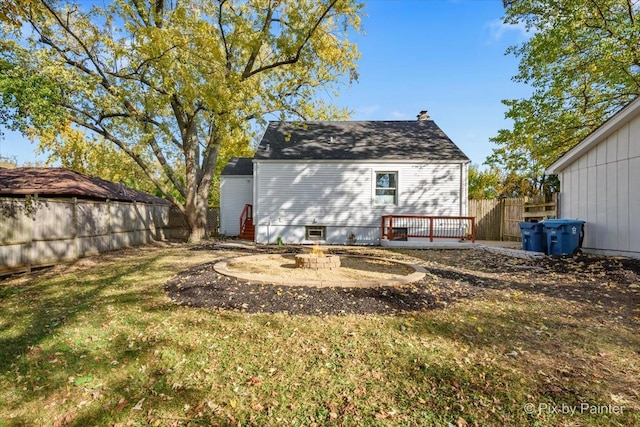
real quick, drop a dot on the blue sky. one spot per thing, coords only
(445, 56)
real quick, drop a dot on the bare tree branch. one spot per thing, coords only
(263, 34)
(248, 72)
(139, 161)
(224, 36)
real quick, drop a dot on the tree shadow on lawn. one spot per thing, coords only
(595, 293)
(39, 308)
(44, 362)
(575, 335)
(565, 317)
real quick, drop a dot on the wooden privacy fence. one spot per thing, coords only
(178, 227)
(497, 219)
(38, 232)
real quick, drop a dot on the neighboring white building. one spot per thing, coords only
(600, 184)
(236, 190)
(332, 181)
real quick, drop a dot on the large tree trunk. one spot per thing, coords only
(196, 214)
(197, 189)
(198, 186)
(196, 201)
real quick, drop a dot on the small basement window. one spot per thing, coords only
(315, 232)
(386, 188)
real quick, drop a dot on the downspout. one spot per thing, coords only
(464, 189)
(254, 199)
(461, 188)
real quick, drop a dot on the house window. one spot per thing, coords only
(386, 188)
(315, 232)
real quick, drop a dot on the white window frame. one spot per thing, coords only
(321, 228)
(376, 188)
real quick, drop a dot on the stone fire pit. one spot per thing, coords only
(314, 261)
(314, 270)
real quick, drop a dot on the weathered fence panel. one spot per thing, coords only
(36, 232)
(488, 214)
(497, 219)
(511, 216)
(179, 229)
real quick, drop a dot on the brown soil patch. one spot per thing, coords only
(282, 267)
(601, 286)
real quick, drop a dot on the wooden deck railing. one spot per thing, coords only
(247, 214)
(400, 227)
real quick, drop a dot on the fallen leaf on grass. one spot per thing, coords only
(138, 406)
(121, 404)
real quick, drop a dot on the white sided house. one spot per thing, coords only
(333, 182)
(600, 184)
(236, 191)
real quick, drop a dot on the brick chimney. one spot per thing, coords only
(423, 115)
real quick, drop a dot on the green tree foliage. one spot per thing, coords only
(493, 183)
(583, 63)
(484, 184)
(177, 86)
(28, 98)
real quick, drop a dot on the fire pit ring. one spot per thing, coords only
(416, 273)
(317, 262)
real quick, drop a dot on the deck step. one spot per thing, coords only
(248, 232)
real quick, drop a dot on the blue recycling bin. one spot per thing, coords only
(564, 236)
(533, 236)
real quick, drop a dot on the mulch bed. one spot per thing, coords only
(611, 285)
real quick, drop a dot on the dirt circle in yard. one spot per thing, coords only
(354, 271)
(602, 286)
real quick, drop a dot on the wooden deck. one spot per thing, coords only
(429, 228)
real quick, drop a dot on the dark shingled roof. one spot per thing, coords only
(356, 140)
(59, 182)
(239, 166)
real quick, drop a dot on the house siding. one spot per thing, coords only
(602, 187)
(235, 192)
(340, 196)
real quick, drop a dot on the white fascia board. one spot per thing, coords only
(613, 124)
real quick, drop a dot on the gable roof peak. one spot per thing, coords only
(358, 140)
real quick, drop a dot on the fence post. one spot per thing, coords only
(29, 252)
(502, 208)
(109, 225)
(74, 216)
(431, 229)
(473, 229)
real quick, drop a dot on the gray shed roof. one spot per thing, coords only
(358, 140)
(239, 166)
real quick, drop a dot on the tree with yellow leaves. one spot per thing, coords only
(173, 84)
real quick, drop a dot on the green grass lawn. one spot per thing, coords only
(100, 343)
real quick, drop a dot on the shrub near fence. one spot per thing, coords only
(36, 232)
